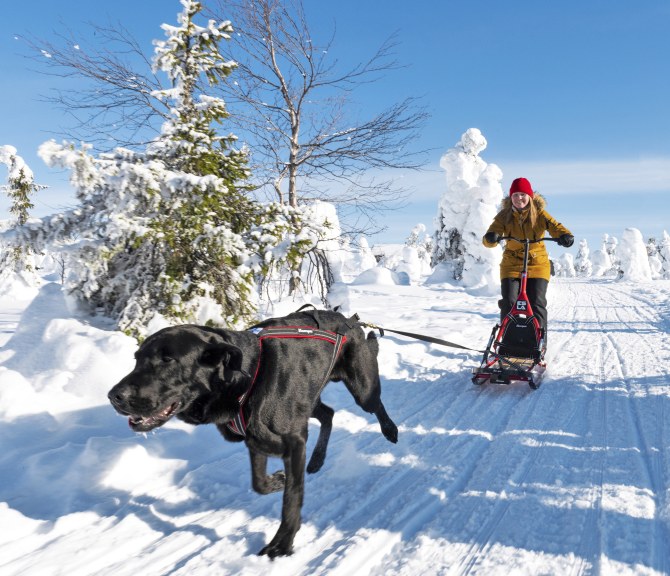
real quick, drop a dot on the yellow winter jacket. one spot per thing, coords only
(538, 259)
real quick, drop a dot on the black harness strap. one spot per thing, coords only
(239, 423)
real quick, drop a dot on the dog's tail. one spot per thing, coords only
(373, 343)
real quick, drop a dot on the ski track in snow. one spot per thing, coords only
(573, 478)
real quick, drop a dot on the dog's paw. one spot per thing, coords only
(390, 431)
(274, 549)
(275, 482)
(272, 483)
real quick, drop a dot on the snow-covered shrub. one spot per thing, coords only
(601, 262)
(612, 246)
(664, 255)
(565, 266)
(633, 255)
(411, 264)
(655, 261)
(583, 264)
(280, 243)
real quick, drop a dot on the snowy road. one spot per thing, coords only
(573, 478)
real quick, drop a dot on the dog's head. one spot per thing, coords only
(179, 371)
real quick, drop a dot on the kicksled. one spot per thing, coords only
(516, 348)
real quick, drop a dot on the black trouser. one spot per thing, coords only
(536, 290)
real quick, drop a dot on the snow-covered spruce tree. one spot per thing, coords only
(611, 246)
(466, 208)
(655, 261)
(169, 235)
(421, 241)
(17, 257)
(664, 255)
(583, 264)
(600, 260)
(566, 266)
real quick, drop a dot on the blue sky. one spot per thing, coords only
(573, 95)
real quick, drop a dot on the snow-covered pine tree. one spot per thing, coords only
(664, 255)
(566, 266)
(655, 262)
(16, 256)
(200, 225)
(611, 245)
(600, 260)
(421, 241)
(583, 265)
(467, 207)
(169, 235)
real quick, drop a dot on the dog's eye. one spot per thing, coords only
(168, 359)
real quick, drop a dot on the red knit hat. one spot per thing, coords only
(521, 185)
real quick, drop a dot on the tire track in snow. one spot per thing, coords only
(591, 543)
(649, 454)
(426, 496)
(621, 323)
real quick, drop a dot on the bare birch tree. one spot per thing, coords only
(292, 101)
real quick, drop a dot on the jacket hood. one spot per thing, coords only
(537, 199)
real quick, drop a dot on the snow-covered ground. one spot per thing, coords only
(573, 478)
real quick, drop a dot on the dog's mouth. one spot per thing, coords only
(146, 423)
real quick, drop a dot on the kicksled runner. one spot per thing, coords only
(515, 351)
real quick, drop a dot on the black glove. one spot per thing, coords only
(492, 237)
(566, 240)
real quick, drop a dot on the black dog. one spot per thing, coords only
(258, 387)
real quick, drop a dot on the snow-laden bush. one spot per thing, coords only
(655, 260)
(633, 255)
(566, 266)
(611, 244)
(664, 255)
(600, 260)
(583, 264)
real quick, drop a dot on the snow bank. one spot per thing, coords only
(90, 360)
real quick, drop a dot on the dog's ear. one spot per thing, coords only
(224, 355)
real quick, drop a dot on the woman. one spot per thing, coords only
(523, 216)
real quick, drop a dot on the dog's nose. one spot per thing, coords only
(119, 395)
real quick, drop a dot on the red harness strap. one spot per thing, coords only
(239, 424)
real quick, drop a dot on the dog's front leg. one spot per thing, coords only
(260, 480)
(294, 466)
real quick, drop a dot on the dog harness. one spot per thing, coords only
(239, 424)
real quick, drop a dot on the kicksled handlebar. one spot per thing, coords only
(527, 240)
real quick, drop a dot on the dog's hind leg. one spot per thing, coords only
(260, 480)
(389, 429)
(368, 397)
(324, 414)
(361, 377)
